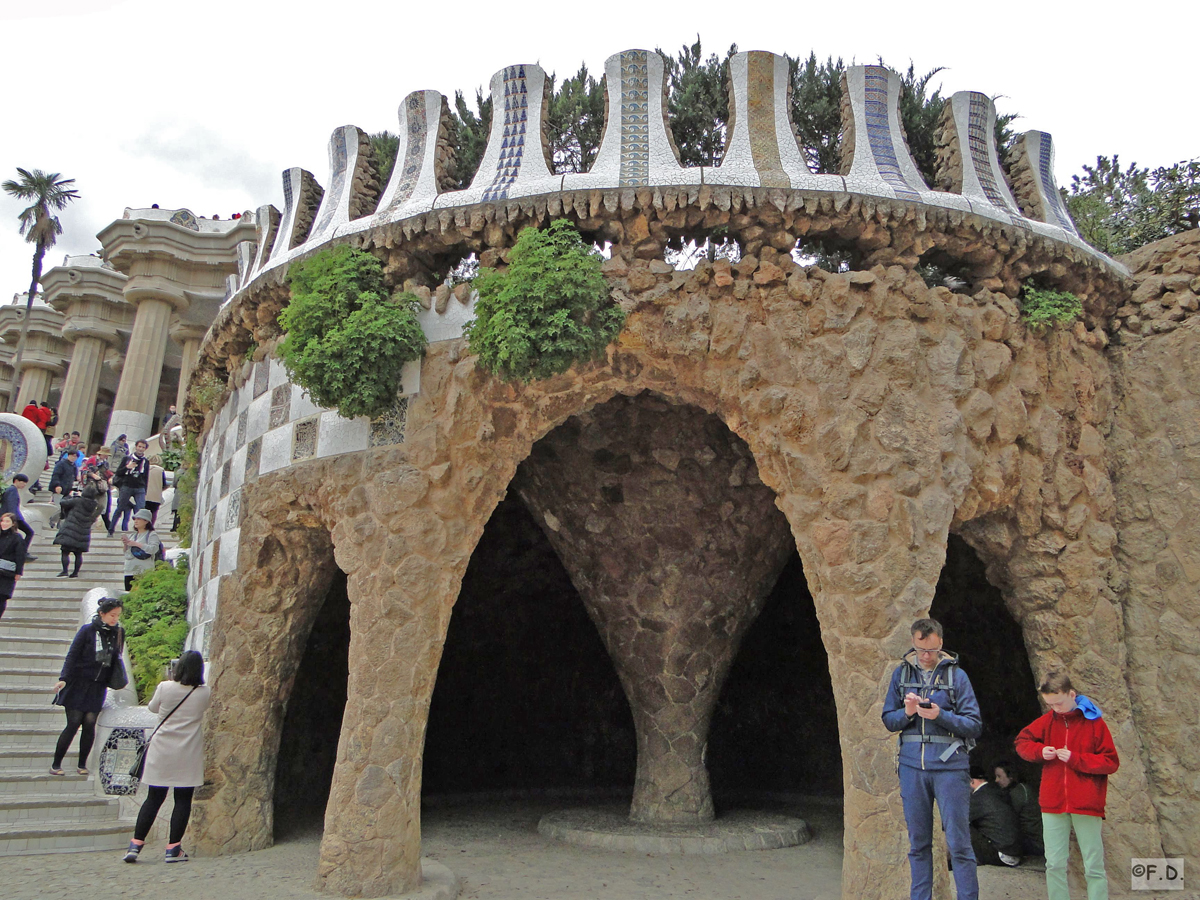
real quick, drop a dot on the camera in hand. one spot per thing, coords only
(926, 704)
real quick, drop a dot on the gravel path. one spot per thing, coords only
(496, 852)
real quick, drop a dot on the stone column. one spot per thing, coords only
(77, 405)
(133, 410)
(188, 337)
(35, 385)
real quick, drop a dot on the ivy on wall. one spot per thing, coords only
(346, 339)
(551, 307)
(1043, 309)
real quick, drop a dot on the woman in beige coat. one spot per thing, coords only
(175, 756)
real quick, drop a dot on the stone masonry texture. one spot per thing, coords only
(882, 414)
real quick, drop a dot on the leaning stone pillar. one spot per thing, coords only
(133, 410)
(188, 337)
(35, 385)
(672, 541)
(77, 405)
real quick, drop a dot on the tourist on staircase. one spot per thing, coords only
(96, 471)
(131, 476)
(83, 681)
(75, 531)
(11, 503)
(175, 754)
(62, 480)
(143, 548)
(12, 558)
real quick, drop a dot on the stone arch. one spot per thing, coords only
(263, 621)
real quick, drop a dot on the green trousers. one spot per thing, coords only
(1056, 829)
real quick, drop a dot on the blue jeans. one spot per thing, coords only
(129, 501)
(951, 788)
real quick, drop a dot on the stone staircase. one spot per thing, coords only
(40, 812)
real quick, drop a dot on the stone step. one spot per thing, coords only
(12, 714)
(54, 631)
(41, 811)
(26, 695)
(17, 659)
(26, 760)
(15, 737)
(14, 785)
(32, 676)
(19, 840)
(36, 644)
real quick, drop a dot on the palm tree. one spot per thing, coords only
(48, 191)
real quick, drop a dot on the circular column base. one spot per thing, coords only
(437, 883)
(609, 828)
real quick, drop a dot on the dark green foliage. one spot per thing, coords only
(817, 109)
(155, 620)
(920, 111)
(575, 121)
(471, 135)
(549, 309)
(1043, 309)
(1118, 210)
(698, 103)
(171, 459)
(186, 478)
(386, 145)
(206, 390)
(347, 340)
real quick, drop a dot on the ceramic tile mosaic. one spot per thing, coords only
(233, 511)
(210, 528)
(415, 126)
(262, 374)
(281, 401)
(304, 438)
(266, 228)
(185, 219)
(634, 112)
(215, 555)
(877, 112)
(243, 418)
(253, 455)
(513, 133)
(226, 468)
(338, 171)
(389, 429)
(1041, 149)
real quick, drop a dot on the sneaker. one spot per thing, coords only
(29, 557)
(54, 771)
(131, 855)
(176, 854)
(1009, 860)
(61, 575)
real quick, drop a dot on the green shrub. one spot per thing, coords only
(155, 620)
(1043, 309)
(206, 390)
(347, 340)
(171, 460)
(186, 477)
(550, 308)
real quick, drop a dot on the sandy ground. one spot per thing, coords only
(495, 850)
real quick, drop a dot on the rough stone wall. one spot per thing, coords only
(1155, 456)
(880, 411)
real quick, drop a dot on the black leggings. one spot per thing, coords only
(66, 556)
(152, 804)
(75, 718)
(3, 605)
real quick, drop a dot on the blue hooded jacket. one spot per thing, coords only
(959, 719)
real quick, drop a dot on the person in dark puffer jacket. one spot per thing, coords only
(75, 533)
(1076, 749)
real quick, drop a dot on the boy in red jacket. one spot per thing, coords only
(1075, 746)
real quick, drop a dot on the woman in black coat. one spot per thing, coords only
(79, 514)
(83, 682)
(12, 558)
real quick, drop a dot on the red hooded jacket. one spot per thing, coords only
(1079, 785)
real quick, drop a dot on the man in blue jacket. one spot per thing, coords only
(10, 502)
(931, 703)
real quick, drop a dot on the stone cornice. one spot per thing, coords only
(126, 240)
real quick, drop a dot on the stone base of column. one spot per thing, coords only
(609, 828)
(134, 425)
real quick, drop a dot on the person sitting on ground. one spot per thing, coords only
(10, 502)
(1024, 802)
(995, 835)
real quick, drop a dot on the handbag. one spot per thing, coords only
(139, 762)
(118, 677)
(7, 567)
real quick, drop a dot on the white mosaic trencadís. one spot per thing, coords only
(266, 425)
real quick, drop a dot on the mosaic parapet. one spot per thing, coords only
(1033, 182)
(245, 252)
(420, 168)
(637, 153)
(266, 425)
(266, 224)
(969, 160)
(762, 150)
(637, 149)
(301, 198)
(514, 163)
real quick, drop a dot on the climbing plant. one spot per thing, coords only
(1043, 309)
(346, 339)
(186, 478)
(155, 620)
(551, 307)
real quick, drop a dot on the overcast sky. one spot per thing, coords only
(204, 104)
